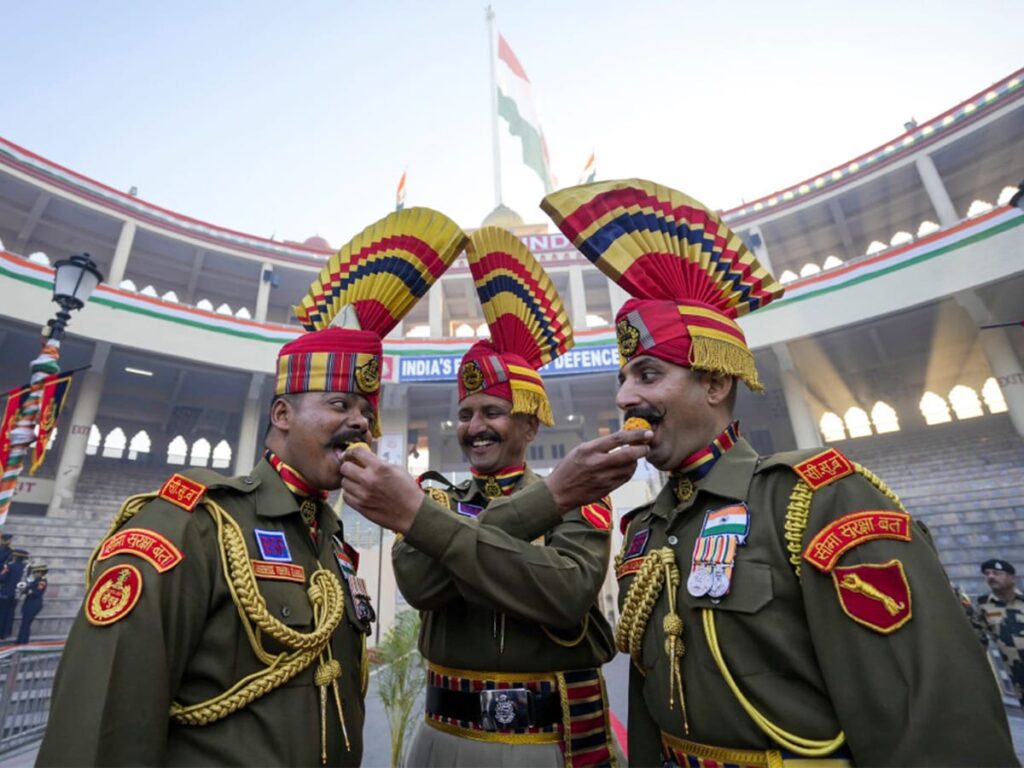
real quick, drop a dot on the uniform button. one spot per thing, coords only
(673, 540)
(286, 611)
(248, 480)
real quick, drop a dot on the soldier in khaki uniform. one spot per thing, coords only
(1002, 613)
(224, 623)
(776, 609)
(506, 567)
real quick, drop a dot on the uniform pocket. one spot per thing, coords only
(288, 603)
(750, 591)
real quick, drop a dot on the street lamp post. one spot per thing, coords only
(74, 280)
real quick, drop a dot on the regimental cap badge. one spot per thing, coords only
(367, 373)
(472, 376)
(628, 337)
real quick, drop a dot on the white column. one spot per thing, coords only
(617, 296)
(436, 297)
(578, 298)
(263, 292)
(800, 417)
(936, 190)
(121, 253)
(1002, 359)
(72, 457)
(248, 433)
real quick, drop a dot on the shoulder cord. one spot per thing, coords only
(799, 510)
(658, 569)
(325, 595)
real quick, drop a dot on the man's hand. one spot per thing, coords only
(382, 493)
(594, 469)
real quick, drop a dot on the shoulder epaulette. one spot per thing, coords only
(182, 492)
(437, 477)
(816, 469)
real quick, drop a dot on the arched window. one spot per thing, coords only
(200, 456)
(92, 445)
(978, 207)
(595, 321)
(464, 330)
(128, 285)
(857, 422)
(927, 227)
(177, 451)
(418, 332)
(883, 416)
(221, 455)
(831, 262)
(170, 296)
(149, 290)
(224, 309)
(832, 427)
(140, 444)
(788, 276)
(114, 443)
(993, 395)
(205, 304)
(934, 409)
(483, 331)
(39, 258)
(243, 313)
(965, 402)
(901, 237)
(1006, 194)
(809, 269)
(877, 246)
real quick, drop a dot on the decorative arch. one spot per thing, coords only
(877, 246)
(483, 331)
(832, 427)
(150, 291)
(1005, 195)
(243, 312)
(39, 257)
(857, 422)
(935, 409)
(224, 309)
(170, 296)
(140, 444)
(128, 285)
(788, 276)
(177, 451)
(205, 304)
(95, 439)
(114, 444)
(993, 396)
(965, 402)
(883, 416)
(978, 207)
(464, 331)
(927, 227)
(221, 455)
(808, 269)
(831, 262)
(901, 237)
(200, 454)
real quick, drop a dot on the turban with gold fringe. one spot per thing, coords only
(528, 323)
(363, 292)
(690, 275)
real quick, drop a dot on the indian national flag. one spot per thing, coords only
(400, 192)
(728, 520)
(589, 170)
(516, 105)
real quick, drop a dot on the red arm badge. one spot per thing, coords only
(599, 514)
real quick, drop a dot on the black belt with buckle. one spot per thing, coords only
(496, 709)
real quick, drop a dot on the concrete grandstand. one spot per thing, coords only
(893, 260)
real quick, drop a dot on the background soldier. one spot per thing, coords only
(244, 647)
(35, 587)
(1002, 611)
(11, 575)
(5, 548)
(506, 568)
(778, 606)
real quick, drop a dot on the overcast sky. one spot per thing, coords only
(294, 119)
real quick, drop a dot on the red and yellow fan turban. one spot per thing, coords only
(690, 275)
(363, 292)
(528, 323)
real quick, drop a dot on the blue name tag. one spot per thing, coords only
(273, 546)
(637, 544)
(468, 510)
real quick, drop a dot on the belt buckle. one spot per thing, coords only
(506, 708)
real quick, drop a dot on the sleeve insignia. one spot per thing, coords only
(852, 530)
(629, 566)
(827, 467)
(113, 596)
(876, 596)
(152, 547)
(279, 571)
(182, 492)
(599, 514)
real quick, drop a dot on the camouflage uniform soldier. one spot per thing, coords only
(224, 623)
(1002, 612)
(775, 608)
(506, 568)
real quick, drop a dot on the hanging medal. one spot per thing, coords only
(714, 551)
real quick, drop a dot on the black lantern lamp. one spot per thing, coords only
(74, 280)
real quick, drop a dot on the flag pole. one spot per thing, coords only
(489, 13)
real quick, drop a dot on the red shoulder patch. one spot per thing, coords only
(151, 546)
(114, 594)
(876, 596)
(827, 467)
(599, 514)
(849, 531)
(182, 492)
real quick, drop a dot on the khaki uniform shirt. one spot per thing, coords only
(904, 698)
(1005, 623)
(184, 642)
(519, 559)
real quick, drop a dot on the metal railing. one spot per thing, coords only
(26, 678)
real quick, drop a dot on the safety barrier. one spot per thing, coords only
(26, 678)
